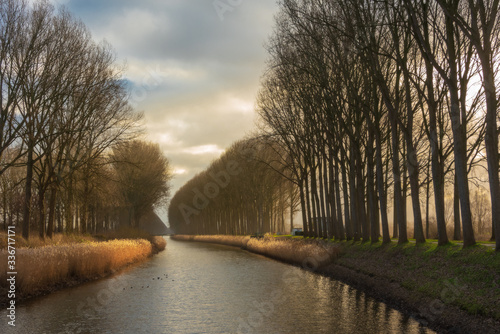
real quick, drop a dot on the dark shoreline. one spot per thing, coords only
(424, 309)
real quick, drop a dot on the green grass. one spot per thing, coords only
(472, 274)
(483, 242)
(486, 242)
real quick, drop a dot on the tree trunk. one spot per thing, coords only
(363, 223)
(68, 207)
(27, 192)
(437, 168)
(427, 197)
(42, 213)
(339, 205)
(347, 216)
(459, 137)
(353, 194)
(305, 227)
(386, 237)
(325, 218)
(457, 228)
(491, 135)
(396, 171)
(412, 164)
(52, 211)
(370, 185)
(333, 231)
(312, 229)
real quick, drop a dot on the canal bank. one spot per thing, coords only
(43, 270)
(449, 289)
(312, 254)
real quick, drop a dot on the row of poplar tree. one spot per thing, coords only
(374, 102)
(70, 159)
(240, 193)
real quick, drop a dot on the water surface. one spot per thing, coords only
(202, 288)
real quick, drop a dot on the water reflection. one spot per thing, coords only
(201, 288)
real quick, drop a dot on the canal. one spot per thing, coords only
(203, 288)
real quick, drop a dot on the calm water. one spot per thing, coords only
(210, 289)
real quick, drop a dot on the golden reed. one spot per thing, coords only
(45, 268)
(303, 252)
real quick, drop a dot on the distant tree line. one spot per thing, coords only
(245, 191)
(372, 103)
(69, 154)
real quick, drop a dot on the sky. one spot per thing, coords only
(194, 68)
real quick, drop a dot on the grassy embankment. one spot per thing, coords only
(430, 270)
(450, 288)
(453, 288)
(43, 266)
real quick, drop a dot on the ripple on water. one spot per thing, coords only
(210, 289)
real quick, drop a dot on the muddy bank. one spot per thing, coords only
(43, 270)
(425, 282)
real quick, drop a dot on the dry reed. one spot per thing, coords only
(35, 241)
(229, 240)
(307, 253)
(43, 268)
(312, 254)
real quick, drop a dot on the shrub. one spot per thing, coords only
(159, 243)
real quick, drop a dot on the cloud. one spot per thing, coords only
(193, 75)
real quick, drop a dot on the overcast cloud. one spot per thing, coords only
(193, 75)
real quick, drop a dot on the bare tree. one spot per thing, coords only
(13, 18)
(480, 23)
(142, 175)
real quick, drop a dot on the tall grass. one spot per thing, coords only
(41, 269)
(311, 254)
(229, 240)
(126, 232)
(306, 253)
(35, 241)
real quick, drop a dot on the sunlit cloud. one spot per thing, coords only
(165, 139)
(179, 171)
(204, 149)
(241, 106)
